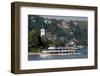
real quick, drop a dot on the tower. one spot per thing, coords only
(42, 32)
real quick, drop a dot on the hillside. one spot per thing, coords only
(59, 29)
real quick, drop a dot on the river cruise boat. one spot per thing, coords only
(59, 51)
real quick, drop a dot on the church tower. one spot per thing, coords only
(42, 32)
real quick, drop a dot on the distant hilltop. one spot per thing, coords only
(67, 18)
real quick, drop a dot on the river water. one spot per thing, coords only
(80, 53)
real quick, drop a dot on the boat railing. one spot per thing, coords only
(59, 51)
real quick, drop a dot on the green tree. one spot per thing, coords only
(45, 42)
(33, 40)
(59, 43)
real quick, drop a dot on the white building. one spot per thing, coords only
(42, 32)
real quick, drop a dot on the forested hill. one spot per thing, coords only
(59, 28)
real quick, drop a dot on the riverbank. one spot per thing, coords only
(34, 53)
